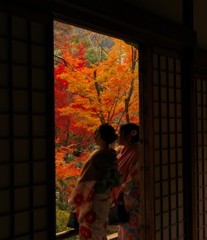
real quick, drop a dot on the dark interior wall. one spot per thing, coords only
(124, 20)
(171, 10)
(200, 22)
(26, 124)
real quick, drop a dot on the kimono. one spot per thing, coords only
(91, 196)
(128, 163)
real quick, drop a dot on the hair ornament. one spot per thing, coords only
(133, 132)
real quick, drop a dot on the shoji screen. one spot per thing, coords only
(26, 126)
(168, 146)
(201, 156)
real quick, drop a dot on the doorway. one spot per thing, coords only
(96, 81)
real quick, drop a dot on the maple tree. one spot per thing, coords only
(66, 174)
(96, 81)
(104, 92)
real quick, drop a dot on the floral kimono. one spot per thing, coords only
(128, 166)
(91, 196)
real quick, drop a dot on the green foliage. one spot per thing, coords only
(61, 201)
(61, 220)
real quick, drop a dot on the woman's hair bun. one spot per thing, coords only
(132, 129)
(107, 133)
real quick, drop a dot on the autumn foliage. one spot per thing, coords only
(96, 81)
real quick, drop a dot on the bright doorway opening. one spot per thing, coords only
(96, 81)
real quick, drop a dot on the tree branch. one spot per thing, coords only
(64, 62)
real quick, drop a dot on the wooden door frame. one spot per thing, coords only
(198, 71)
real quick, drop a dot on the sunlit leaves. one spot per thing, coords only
(96, 81)
(100, 91)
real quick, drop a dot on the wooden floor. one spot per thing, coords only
(113, 236)
(74, 232)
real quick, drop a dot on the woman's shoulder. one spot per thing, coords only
(96, 154)
(101, 152)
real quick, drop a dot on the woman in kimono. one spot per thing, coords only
(91, 196)
(129, 191)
